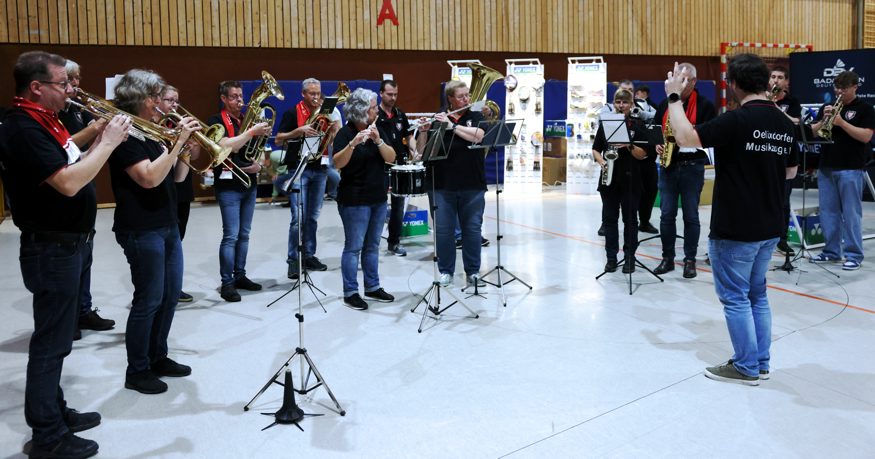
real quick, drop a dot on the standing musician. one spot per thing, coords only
(54, 204)
(143, 174)
(361, 152)
(684, 177)
(840, 175)
(236, 201)
(293, 126)
(624, 191)
(460, 186)
(779, 84)
(393, 121)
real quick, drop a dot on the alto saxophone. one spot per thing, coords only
(610, 155)
(669, 147)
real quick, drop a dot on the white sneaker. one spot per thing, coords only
(446, 279)
(474, 279)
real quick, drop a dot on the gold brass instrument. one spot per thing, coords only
(322, 121)
(495, 111)
(669, 147)
(215, 132)
(482, 78)
(269, 87)
(610, 155)
(773, 93)
(141, 129)
(825, 131)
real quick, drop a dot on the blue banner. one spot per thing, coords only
(812, 74)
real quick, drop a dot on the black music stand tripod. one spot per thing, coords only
(434, 151)
(498, 134)
(618, 134)
(289, 413)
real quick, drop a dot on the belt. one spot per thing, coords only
(689, 162)
(52, 236)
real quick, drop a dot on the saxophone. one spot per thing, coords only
(669, 147)
(610, 155)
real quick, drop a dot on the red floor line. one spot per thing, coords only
(601, 244)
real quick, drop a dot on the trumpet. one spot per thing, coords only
(610, 155)
(825, 131)
(773, 93)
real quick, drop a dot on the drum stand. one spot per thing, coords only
(289, 414)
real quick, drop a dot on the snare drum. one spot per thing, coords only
(407, 180)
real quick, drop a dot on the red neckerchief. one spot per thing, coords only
(303, 111)
(457, 116)
(46, 118)
(691, 109)
(229, 124)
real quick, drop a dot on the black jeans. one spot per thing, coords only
(396, 217)
(649, 187)
(52, 272)
(624, 194)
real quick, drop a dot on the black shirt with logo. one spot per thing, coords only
(626, 166)
(363, 178)
(236, 158)
(289, 123)
(752, 145)
(790, 105)
(464, 168)
(397, 127)
(30, 155)
(138, 208)
(846, 152)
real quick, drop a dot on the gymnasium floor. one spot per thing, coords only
(574, 368)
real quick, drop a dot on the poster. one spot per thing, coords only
(587, 80)
(524, 104)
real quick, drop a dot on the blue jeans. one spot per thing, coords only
(740, 282)
(52, 272)
(362, 227)
(685, 181)
(466, 207)
(85, 284)
(155, 257)
(237, 208)
(841, 212)
(312, 186)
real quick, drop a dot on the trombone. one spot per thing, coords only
(141, 129)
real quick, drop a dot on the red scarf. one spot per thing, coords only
(691, 109)
(229, 124)
(46, 118)
(303, 111)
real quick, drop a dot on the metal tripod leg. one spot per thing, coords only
(434, 306)
(498, 283)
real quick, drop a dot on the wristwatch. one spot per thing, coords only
(674, 97)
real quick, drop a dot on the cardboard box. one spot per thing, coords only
(555, 147)
(809, 221)
(554, 171)
(415, 223)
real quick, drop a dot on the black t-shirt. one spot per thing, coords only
(74, 119)
(846, 152)
(289, 123)
(231, 183)
(790, 105)
(138, 208)
(29, 155)
(752, 144)
(705, 112)
(397, 128)
(464, 168)
(626, 166)
(363, 179)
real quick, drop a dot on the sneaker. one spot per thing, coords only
(293, 269)
(185, 297)
(728, 373)
(851, 265)
(446, 279)
(484, 242)
(69, 446)
(397, 249)
(92, 321)
(229, 293)
(785, 248)
(474, 280)
(168, 367)
(244, 283)
(356, 302)
(380, 295)
(822, 258)
(764, 374)
(459, 244)
(145, 382)
(77, 422)
(313, 264)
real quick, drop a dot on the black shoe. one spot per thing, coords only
(77, 335)
(785, 248)
(77, 422)
(313, 264)
(666, 265)
(356, 302)
(380, 295)
(244, 283)
(92, 321)
(689, 269)
(229, 293)
(629, 266)
(484, 242)
(293, 269)
(611, 266)
(602, 230)
(185, 297)
(145, 382)
(646, 227)
(167, 367)
(69, 447)
(459, 244)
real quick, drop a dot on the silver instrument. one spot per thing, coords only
(610, 155)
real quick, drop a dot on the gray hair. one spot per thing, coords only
(72, 67)
(451, 87)
(691, 69)
(357, 105)
(135, 87)
(310, 81)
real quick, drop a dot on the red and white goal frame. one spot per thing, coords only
(727, 46)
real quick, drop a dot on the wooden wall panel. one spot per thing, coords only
(869, 24)
(645, 27)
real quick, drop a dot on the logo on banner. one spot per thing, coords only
(850, 114)
(829, 74)
(525, 69)
(588, 67)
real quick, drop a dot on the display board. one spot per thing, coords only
(587, 80)
(812, 74)
(524, 103)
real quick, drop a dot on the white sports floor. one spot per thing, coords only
(574, 368)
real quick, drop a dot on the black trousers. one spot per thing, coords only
(623, 196)
(788, 188)
(396, 216)
(649, 187)
(183, 209)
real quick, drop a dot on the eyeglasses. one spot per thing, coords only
(462, 96)
(171, 101)
(62, 84)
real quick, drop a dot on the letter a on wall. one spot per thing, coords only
(387, 12)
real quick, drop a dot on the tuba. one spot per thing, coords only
(269, 87)
(825, 131)
(669, 147)
(322, 121)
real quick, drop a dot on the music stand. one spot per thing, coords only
(615, 125)
(498, 134)
(307, 365)
(434, 151)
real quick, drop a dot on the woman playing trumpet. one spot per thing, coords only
(360, 152)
